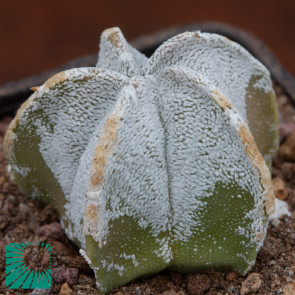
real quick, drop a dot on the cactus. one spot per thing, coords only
(154, 163)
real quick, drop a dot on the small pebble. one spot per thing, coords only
(41, 292)
(251, 284)
(176, 277)
(62, 274)
(288, 170)
(65, 289)
(6, 187)
(52, 230)
(198, 284)
(271, 262)
(231, 276)
(285, 130)
(2, 180)
(75, 262)
(83, 279)
(59, 248)
(287, 149)
(8, 208)
(279, 188)
(289, 289)
(72, 275)
(45, 262)
(12, 199)
(58, 274)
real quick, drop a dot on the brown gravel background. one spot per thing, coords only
(24, 220)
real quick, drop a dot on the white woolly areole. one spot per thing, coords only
(84, 255)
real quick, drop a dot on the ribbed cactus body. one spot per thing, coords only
(154, 163)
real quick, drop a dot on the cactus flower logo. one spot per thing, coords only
(28, 266)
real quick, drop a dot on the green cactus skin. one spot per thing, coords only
(150, 162)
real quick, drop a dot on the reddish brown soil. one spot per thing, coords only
(24, 220)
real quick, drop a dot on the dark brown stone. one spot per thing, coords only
(62, 274)
(198, 284)
(52, 230)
